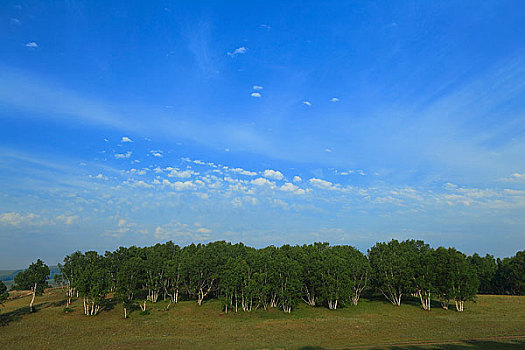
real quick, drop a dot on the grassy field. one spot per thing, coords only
(494, 322)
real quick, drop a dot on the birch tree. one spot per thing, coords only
(391, 272)
(421, 261)
(33, 278)
(93, 283)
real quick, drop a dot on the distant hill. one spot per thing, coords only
(9, 275)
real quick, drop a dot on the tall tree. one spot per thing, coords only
(70, 270)
(3, 293)
(130, 280)
(486, 268)
(359, 270)
(33, 278)
(421, 262)
(310, 258)
(464, 279)
(335, 277)
(391, 271)
(93, 282)
(510, 275)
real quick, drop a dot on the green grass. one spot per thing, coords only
(494, 322)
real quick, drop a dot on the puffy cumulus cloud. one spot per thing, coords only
(239, 51)
(290, 187)
(31, 45)
(67, 219)
(257, 87)
(297, 179)
(323, 184)
(17, 219)
(179, 185)
(255, 94)
(243, 172)
(334, 99)
(260, 181)
(273, 174)
(183, 174)
(141, 184)
(125, 139)
(123, 155)
(157, 154)
(307, 103)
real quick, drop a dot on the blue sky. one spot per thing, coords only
(131, 123)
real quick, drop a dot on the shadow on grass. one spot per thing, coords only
(15, 315)
(465, 345)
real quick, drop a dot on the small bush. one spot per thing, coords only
(143, 313)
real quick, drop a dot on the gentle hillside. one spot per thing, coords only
(493, 322)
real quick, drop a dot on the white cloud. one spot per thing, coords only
(183, 174)
(179, 185)
(273, 174)
(67, 219)
(297, 179)
(307, 103)
(15, 219)
(260, 181)
(257, 87)
(126, 139)
(32, 45)
(518, 176)
(255, 94)
(334, 99)
(239, 51)
(123, 156)
(157, 154)
(141, 183)
(328, 150)
(323, 184)
(181, 232)
(290, 187)
(243, 172)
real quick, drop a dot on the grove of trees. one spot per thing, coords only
(244, 278)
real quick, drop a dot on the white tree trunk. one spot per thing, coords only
(32, 299)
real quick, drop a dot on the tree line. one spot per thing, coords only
(244, 278)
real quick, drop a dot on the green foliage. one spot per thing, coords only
(4, 294)
(510, 275)
(392, 274)
(33, 278)
(245, 279)
(486, 268)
